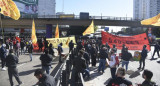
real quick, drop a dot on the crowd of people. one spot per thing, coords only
(89, 52)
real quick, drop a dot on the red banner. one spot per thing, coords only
(135, 42)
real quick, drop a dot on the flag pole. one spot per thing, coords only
(2, 27)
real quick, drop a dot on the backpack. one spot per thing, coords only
(117, 60)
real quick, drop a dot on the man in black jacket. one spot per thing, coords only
(143, 57)
(156, 49)
(71, 45)
(120, 79)
(44, 79)
(11, 62)
(46, 61)
(126, 56)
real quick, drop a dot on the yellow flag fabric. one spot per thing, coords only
(9, 8)
(90, 29)
(68, 40)
(57, 32)
(34, 37)
(56, 41)
(151, 21)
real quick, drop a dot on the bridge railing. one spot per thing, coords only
(72, 16)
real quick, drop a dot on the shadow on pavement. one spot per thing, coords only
(134, 74)
(23, 62)
(94, 75)
(26, 72)
(158, 62)
(56, 69)
(38, 65)
(106, 82)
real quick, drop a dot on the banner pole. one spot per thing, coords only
(2, 27)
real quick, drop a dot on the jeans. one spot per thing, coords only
(125, 63)
(113, 72)
(22, 50)
(86, 73)
(46, 68)
(30, 54)
(101, 65)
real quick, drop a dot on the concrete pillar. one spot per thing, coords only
(49, 31)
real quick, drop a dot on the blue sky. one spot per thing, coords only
(118, 8)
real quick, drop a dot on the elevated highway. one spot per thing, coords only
(76, 21)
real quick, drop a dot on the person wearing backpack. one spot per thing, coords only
(126, 56)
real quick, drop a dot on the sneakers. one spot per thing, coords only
(21, 84)
(3, 69)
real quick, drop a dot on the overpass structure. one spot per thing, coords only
(76, 21)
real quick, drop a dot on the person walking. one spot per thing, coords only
(120, 79)
(3, 56)
(71, 45)
(156, 49)
(143, 57)
(51, 52)
(46, 61)
(126, 56)
(30, 50)
(44, 79)
(60, 50)
(22, 47)
(11, 63)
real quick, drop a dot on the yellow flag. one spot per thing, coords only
(90, 29)
(34, 37)
(151, 21)
(57, 32)
(9, 8)
(68, 41)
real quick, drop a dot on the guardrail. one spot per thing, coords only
(75, 17)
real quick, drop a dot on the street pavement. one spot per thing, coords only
(26, 69)
(135, 76)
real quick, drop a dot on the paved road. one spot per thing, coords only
(26, 70)
(133, 75)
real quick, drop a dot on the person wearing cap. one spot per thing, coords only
(3, 56)
(60, 50)
(120, 79)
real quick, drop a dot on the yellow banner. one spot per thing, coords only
(56, 41)
(34, 37)
(9, 8)
(151, 21)
(57, 32)
(90, 29)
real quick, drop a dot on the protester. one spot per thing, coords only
(3, 56)
(156, 49)
(22, 46)
(103, 56)
(51, 51)
(143, 57)
(30, 50)
(79, 65)
(40, 45)
(60, 50)
(71, 45)
(126, 56)
(11, 62)
(17, 48)
(120, 79)
(114, 48)
(147, 75)
(108, 47)
(112, 63)
(86, 57)
(93, 55)
(44, 79)
(46, 61)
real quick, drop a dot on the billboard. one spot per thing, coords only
(27, 7)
